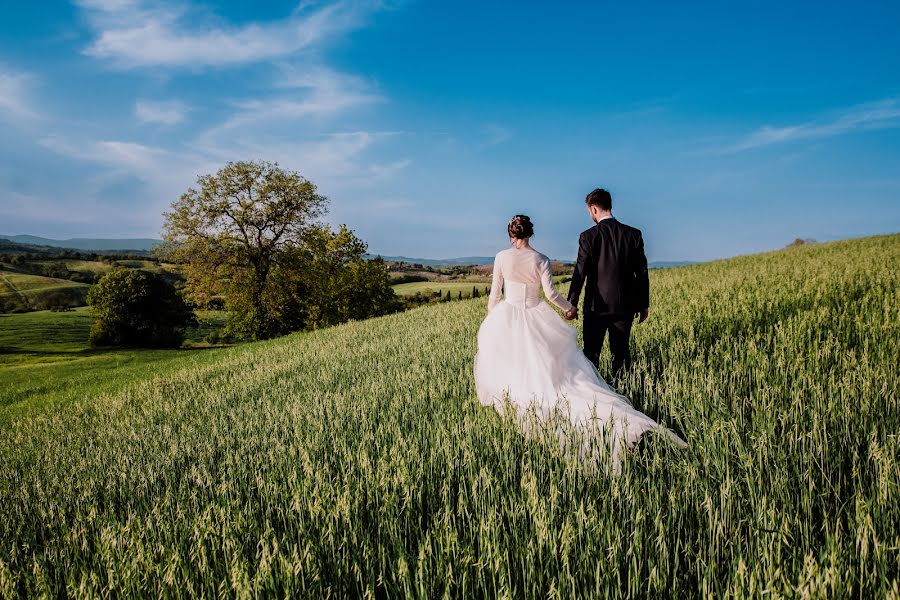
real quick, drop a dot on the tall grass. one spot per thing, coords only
(355, 461)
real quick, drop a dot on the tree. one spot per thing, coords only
(327, 281)
(231, 233)
(137, 308)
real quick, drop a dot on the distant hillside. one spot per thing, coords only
(90, 244)
(9, 247)
(438, 262)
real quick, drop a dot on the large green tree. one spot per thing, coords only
(231, 231)
(250, 233)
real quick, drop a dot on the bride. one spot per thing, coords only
(530, 358)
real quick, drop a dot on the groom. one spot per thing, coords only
(611, 259)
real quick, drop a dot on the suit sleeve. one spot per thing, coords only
(496, 285)
(641, 275)
(578, 277)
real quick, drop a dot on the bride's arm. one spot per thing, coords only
(496, 285)
(550, 291)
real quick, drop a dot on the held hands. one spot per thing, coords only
(571, 314)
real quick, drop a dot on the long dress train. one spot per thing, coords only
(528, 358)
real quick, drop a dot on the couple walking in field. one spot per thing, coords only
(528, 358)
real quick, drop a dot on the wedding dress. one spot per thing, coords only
(529, 357)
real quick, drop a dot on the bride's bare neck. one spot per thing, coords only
(520, 243)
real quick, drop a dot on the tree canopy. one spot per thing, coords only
(137, 308)
(250, 233)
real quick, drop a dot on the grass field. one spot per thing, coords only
(355, 461)
(33, 290)
(429, 287)
(46, 358)
(81, 266)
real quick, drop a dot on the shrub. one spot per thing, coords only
(137, 308)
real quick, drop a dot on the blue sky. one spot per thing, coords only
(720, 128)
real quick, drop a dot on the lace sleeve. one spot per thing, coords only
(496, 285)
(550, 291)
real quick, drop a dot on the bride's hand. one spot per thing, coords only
(571, 314)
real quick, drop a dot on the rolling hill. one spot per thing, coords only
(87, 244)
(20, 291)
(356, 461)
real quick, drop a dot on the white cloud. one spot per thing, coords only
(14, 95)
(283, 123)
(386, 171)
(335, 160)
(136, 158)
(163, 113)
(132, 33)
(161, 176)
(494, 135)
(876, 115)
(316, 93)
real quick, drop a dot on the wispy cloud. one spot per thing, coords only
(300, 113)
(335, 160)
(288, 123)
(134, 33)
(316, 92)
(155, 176)
(494, 135)
(137, 158)
(14, 94)
(169, 112)
(875, 115)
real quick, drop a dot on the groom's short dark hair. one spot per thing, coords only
(599, 198)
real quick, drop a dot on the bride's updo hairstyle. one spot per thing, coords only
(520, 227)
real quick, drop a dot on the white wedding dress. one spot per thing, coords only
(528, 357)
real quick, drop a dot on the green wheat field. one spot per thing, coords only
(356, 461)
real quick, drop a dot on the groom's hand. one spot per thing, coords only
(571, 314)
(642, 316)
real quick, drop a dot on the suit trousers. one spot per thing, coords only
(596, 327)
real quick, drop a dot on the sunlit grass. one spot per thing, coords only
(355, 460)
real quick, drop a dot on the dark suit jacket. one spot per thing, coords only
(612, 263)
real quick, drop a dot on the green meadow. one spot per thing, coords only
(32, 290)
(45, 358)
(442, 287)
(356, 461)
